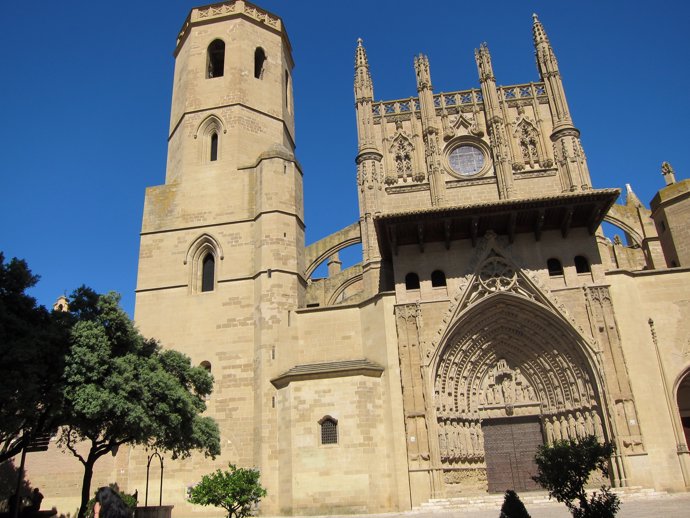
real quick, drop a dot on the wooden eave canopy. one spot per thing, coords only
(507, 217)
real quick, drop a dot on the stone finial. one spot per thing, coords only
(484, 66)
(538, 31)
(421, 67)
(61, 304)
(630, 196)
(668, 173)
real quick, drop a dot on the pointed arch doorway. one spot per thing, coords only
(512, 375)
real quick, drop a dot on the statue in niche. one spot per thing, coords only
(473, 437)
(531, 396)
(598, 429)
(468, 440)
(454, 446)
(480, 438)
(564, 429)
(549, 431)
(442, 440)
(508, 390)
(589, 425)
(572, 426)
(490, 395)
(580, 423)
(556, 429)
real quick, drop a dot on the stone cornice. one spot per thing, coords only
(338, 369)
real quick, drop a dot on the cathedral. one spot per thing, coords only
(489, 314)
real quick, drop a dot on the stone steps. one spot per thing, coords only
(538, 498)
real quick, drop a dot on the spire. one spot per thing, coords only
(630, 196)
(421, 67)
(364, 89)
(483, 58)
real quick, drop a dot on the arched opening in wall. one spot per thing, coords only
(329, 430)
(582, 264)
(509, 377)
(338, 277)
(206, 365)
(215, 59)
(438, 279)
(259, 62)
(214, 147)
(683, 399)
(555, 267)
(208, 272)
(621, 245)
(411, 281)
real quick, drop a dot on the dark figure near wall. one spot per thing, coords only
(109, 505)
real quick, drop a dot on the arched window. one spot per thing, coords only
(582, 264)
(411, 281)
(208, 272)
(259, 61)
(206, 365)
(287, 90)
(329, 430)
(216, 59)
(555, 267)
(214, 147)
(438, 279)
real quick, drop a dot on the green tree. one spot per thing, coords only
(120, 388)
(33, 345)
(236, 490)
(564, 469)
(513, 507)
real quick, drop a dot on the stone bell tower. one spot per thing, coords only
(222, 241)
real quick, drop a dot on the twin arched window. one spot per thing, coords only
(556, 268)
(259, 61)
(438, 280)
(215, 59)
(411, 281)
(582, 264)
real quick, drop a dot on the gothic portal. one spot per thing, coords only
(489, 313)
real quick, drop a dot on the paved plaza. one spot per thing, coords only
(662, 506)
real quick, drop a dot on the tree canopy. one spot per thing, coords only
(236, 490)
(33, 345)
(120, 388)
(564, 469)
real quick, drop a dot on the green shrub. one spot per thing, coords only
(236, 490)
(513, 507)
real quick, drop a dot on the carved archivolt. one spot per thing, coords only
(507, 350)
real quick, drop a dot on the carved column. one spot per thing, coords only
(625, 424)
(409, 323)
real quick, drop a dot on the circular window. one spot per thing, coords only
(466, 159)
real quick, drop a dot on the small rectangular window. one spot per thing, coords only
(329, 431)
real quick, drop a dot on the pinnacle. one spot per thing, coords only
(360, 55)
(538, 31)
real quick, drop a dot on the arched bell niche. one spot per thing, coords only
(512, 375)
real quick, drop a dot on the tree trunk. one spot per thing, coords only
(86, 485)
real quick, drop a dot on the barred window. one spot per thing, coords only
(329, 430)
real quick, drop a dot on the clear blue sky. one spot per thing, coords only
(86, 89)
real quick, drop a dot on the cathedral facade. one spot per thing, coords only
(489, 314)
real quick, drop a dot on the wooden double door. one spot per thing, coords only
(510, 445)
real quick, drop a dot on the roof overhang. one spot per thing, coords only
(535, 215)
